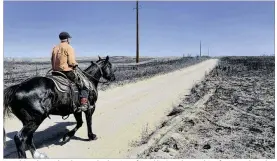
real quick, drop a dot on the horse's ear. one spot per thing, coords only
(92, 62)
(107, 58)
(99, 57)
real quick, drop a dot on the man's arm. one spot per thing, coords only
(52, 57)
(52, 61)
(71, 57)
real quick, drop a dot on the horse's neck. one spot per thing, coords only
(96, 74)
(97, 77)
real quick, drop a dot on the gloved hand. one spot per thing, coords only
(74, 67)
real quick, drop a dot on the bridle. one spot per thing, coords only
(101, 72)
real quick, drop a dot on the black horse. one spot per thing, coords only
(35, 99)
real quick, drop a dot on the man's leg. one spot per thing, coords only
(84, 99)
(83, 92)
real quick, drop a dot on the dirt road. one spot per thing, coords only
(122, 114)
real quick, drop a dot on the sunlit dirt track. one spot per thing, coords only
(122, 113)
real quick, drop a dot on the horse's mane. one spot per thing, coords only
(86, 77)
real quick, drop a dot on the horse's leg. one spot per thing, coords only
(78, 117)
(32, 148)
(21, 137)
(89, 113)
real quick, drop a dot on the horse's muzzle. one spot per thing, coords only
(115, 69)
(112, 78)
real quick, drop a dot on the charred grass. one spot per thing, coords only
(16, 72)
(229, 115)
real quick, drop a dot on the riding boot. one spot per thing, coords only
(84, 104)
(84, 100)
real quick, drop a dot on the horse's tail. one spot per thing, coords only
(8, 97)
(4, 137)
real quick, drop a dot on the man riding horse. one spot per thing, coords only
(35, 99)
(63, 60)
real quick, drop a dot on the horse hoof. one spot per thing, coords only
(66, 138)
(38, 155)
(92, 137)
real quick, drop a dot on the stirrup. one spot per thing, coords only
(83, 107)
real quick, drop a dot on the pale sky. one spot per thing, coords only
(166, 28)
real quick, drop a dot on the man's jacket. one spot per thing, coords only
(63, 57)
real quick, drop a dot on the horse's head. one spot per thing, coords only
(105, 68)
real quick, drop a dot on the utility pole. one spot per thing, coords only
(137, 21)
(200, 48)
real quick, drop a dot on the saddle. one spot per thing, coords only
(63, 84)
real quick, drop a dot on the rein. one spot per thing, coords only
(88, 75)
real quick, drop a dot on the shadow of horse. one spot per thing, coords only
(54, 135)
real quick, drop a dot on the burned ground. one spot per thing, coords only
(229, 115)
